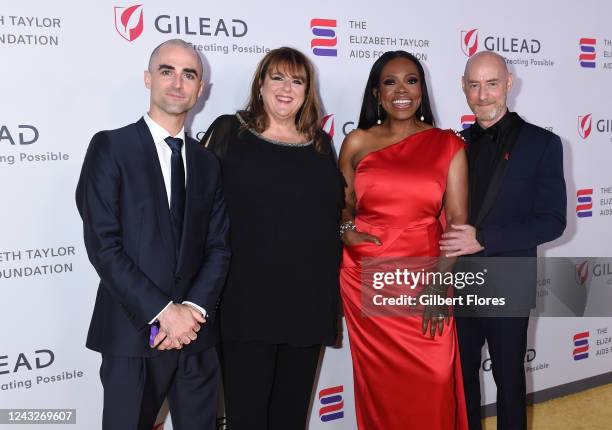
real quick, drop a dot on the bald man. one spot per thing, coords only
(156, 231)
(517, 201)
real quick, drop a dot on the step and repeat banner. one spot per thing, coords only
(73, 68)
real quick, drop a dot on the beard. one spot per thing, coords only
(489, 113)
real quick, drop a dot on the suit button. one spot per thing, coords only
(177, 279)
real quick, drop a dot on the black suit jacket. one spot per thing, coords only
(525, 205)
(122, 200)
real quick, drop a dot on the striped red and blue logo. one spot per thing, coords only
(325, 40)
(584, 200)
(467, 121)
(587, 55)
(581, 346)
(331, 403)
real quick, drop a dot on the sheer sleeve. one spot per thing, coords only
(220, 133)
(330, 150)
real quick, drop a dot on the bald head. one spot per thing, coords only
(492, 59)
(175, 80)
(486, 83)
(177, 43)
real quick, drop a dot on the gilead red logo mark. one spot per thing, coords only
(327, 124)
(469, 41)
(584, 125)
(129, 21)
(582, 273)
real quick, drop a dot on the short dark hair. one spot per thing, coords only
(307, 119)
(369, 107)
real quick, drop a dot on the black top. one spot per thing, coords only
(284, 204)
(486, 150)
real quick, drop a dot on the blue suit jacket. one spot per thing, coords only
(122, 200)
(525, 205)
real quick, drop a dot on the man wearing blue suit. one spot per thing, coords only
(156, 231)
(517, 201)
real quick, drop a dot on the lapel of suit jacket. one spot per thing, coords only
(189, 196)
(498, 175)
(467, 135)
(153, 171)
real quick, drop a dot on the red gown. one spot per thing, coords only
(403, 379)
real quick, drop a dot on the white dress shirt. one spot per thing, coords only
(164, 154)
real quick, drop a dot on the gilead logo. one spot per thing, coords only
(23, 134)
(327, 124)
(38, 360)
(129, 21)
(582, 273)
(469, 41)
(585, 125)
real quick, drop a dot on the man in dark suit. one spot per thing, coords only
(156, 231)
(517, 201)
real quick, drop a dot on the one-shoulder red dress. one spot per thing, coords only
(403, 379)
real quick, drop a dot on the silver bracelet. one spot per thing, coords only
(346, 226)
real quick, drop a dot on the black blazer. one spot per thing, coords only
(525, 205)
(122, 200)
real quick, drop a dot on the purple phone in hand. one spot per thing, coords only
(154, 331)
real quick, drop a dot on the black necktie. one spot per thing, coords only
(177, 190)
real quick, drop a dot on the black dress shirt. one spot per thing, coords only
(488, 147)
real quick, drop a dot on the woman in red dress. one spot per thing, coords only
(402, 175)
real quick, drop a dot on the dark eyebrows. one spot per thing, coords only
(168, 67)
(409, 75)
(190, 70)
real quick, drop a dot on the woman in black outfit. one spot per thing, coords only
(284, 195)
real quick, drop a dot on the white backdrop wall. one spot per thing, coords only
(70, 69)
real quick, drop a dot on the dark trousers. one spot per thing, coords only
(135, 388)
(507, 341)
(267, 386)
